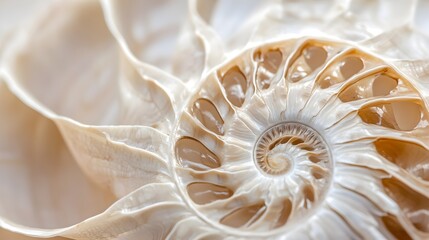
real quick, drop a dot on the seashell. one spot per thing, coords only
(196, 120)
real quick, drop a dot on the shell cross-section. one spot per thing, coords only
(303, 134)
(281, 146)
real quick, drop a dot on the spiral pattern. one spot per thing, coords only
(281, 133)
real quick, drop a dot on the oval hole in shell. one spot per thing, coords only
(204, 193)
(244, 216)
(193, 154)
(399, 115)
(409, 156)
(235, 85)
(414, 205)
(351, 66)
(206, 112)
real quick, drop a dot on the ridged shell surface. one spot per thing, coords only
(127, 119)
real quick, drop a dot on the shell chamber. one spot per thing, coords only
(293, 132)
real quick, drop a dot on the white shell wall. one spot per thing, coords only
(93, 95)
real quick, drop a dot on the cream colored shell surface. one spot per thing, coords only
(127, 119)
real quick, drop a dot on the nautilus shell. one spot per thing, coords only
(133, 119)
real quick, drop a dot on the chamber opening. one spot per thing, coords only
(315, 56)
(193, 154)
(204, 193)
(351, 66)
(206, 112)
(235, 84)
(403, 115)
(268, 64)
(244, 216)
(309, 60)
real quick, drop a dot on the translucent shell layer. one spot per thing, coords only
(244, 119)
(289, 134)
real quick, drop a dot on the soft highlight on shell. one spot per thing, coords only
(123, 119)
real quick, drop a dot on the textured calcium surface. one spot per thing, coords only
(190, 119)
(288, 127)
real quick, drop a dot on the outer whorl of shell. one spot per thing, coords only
(217, 119)
(283, 135)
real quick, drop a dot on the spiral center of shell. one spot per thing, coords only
(256, 145)
(282, 146)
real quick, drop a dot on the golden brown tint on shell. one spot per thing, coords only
(127, 119)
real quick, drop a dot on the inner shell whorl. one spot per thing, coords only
(277, 149)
